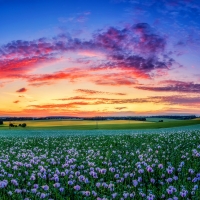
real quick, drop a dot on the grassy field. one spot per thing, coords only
(154, 119)
(92, 125)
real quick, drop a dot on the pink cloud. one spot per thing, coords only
(18, 68)
(136, 49)
(89, 53)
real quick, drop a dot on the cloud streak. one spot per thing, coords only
(169, 100)
(93, 92)
(174, 86)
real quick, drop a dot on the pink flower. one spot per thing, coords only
(56, 185)
(33, 190)
(149, 169)
(152, 180)
(114, 195)
(42, 196)
(77, 187)
(87, 193)
(135, 183)
(45, 187)
(98, 185)
(116, 176)
(160, 166)
(3, 183)
(103, 171)
(14, 182)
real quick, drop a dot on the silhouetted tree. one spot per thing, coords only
(11, 125)
(1, 122)
(23, 125)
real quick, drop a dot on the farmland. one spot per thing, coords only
(100, 165)
(151, 123)
(57, 160)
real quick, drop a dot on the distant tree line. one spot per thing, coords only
(139, 118)
(15, 125)
(174, 117)
(115, 118)
(16, 118)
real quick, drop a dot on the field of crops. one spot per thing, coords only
(104, 124)
(100, 166)
(33, 124)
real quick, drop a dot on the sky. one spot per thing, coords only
(99, 57)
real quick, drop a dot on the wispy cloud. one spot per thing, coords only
(79, 17)
(174, 86)
(93, 92)
(168, 100)
(67, 105)
(120, 108)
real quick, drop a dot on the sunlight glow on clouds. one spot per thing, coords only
(134, 60)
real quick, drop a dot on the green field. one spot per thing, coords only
(154, 119)
(92, 125)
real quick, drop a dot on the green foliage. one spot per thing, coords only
(38, 159)
(23, 125)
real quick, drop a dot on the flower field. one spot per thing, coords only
(121, 166)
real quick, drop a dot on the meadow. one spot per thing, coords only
(102, 165)
(151, 123)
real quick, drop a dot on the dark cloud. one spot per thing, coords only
(174, 86)
(138, 38)
(120, 108)
(137, 47)
(16, 101)
(178, 100)
(22, 90)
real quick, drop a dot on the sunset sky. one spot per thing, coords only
(99, 57)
